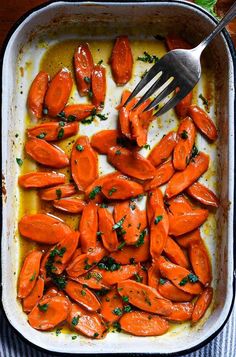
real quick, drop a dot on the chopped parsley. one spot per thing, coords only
(132, 261)
(162, 281)
(19, 161)
(97, 276)
(109, 264)
(79, 148)
(112, 190)
(118, 152)
(43, 307)
(140, 240)
(87, 80)
(204, 102)
(100, 62)
(33, 276)
(95, 334)
(45, 111)
(60, 133)
(102, 116)
(117, 311)
(104, 205)
(119, 224)
(73, 337)
(61, 123)
(75, 320)
(94, 192)
(194, 153)
(58, 280)
(147, 146)
(184, 135)
(62, 115)
(191, 278)
(71, 118)
(58, 193)
(148, 58)
(116, 325)
(121, 245)
(138, 278)
(41, 135)
(83, 292)
(125, 298)
(158, 219)
(58, 331)
(127, 308)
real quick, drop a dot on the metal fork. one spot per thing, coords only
(182, 68)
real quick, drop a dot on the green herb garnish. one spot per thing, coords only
(60, 133)
(79, 147)
(121, 245)
(117, 311)
(184, 135)
(94, 192)
(125, 298)
(41, 135)
(58, 193)
(162, 281)
(112, 190)
(43, 307)
(148, 58)
(158, 219)
(33, 276)
(75, 320)
(118, 224)
(87, 80)
(140, 240)
(19, 161)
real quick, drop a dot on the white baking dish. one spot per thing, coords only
(107, 20)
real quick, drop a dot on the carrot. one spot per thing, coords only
(44, 261)
(68, 246)
(187, 222)
(35, 295)
(163, 174)
(121, 188)
(202, 120)
(203, 194)
(181, 311)
(88, 227)
(79, 111)
(49, 313)
(175, 42)
(51, 292)
(84, 163)
(130, 163)
(144, 297)
(141, 323)
(93, 191)
(139, 122)
(155, 199)
(181, 108)
(111, 303)
(37, 93)
(83, 63)
(181, 180)
(43, 228)
(180, 277)
(179, 205)
(70, 205)
(141, 276)
(41, 179)
(53, 131)
(121, 60)
(88, 323)
(200, 262)
(153, 275)
(123, 273)
(82, 295)
(104, 139)
(202, 304)
(173, 252)
(106, 223)
(188, 238)
(58, 92)
(186, 139)
(29, 273)
(92, 279)
(171, 292)
(163, 149)
(98, 86)
(125, 95)
(46, 154)
(56, 192)
(124, 122)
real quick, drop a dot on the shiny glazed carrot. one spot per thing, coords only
(187, 222)
(29, 273)
(82, 295)
(130, 163)
(70, 205)
(181, 108)
(53, 131)
(98, 86)
(58, 92)
(179, 205)
(37, 93)
(155, 199)
(123, 273)
(181, 180)
(68, 246)
(181, 311)
(173, 252)
(121, 188)
(203, 194)
(35, 295)
(153, 275)
(202, 304)
(171, 292)
(142, 276)
(187, 239)
(141, 323)
(200, 262)
(175, 42)
(163, 174)
(109, 303)
(83, 62)
(79, 111)
(60, 191)
(84, 163)
(46, 154)
(41, 179)
(88, 227)
(124, 122)
(92, 279)
(108, 234)
(202, 120)
(94, 191)
(163, 149)
(121, 60)
(104, 139)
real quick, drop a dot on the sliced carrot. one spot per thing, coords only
(37, 93)
(83, 62)
(144, 297)
(98, 86)
(121, 60)
(203, 194)
(92, 279)
(93, 191)
(53, 131)
(125, 95)
(179, 276)
(202, 304)
(124, 122)
(153, 275)
(123, 273)
(203, 122)
(88, 323)
(58, 92)
(155, 199)
(108, 234)
(29, 273)
(173, 252)
(43, 228)
(175, 42)
(51, 292)
(82, 295)
(131, 163)
(35, 295)
(110, 303)
(188, 238)
(49, 313)
(121, 188)
(142, 276)
(88, 227)
(104, 139)
(163, 149)
(171, 292)
(68, 246)
(41, 179)
(139, 122)
(84, 163)
(187, 222)
(70, 205)
(163, 174)
(79, 111)
(46, 154)
(43, 270)
(181, 108)
(200, 262)
(179, 205)
(52, 193)
(181, 180)
(181, 311)
(141, 323)
(186, 139)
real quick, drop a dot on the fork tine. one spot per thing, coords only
(173, 101)
(168, 90)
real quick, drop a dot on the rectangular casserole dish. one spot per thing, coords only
(91, 20)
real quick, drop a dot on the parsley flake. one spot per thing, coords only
(94, 192)
(184, 135)
(79, 148)
(158, 219)
(112, 190)
(41, 135)
(43, 307)
(60, 133)
(148, 58)
(75, 320)
(19, 161)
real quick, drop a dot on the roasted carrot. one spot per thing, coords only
(83, 62)
(186, 139)
(173, 252)
(51, 292)
(126, 93)
(98, 86)
(181, 108)
(58, 92)
(35, 295)
(163, 174)
(139, 122)
(124, 122)
(78, 111)
(67, 248)
(37, 93)
(43, 265)
(94, 191)
(82, 295)
(175, 42)
(49, 313)
(41, 179)
(123, 273)
(84, 163)
(181, 180)
(153, 275)
(104, 139)
(141, 276)
(110, 304)
(181, 311)
(88, 227)
(108, 234)
(130, 163)
(200, 262)
(186, 222)
(203, 194)
(186, 239)
(163, 149)
(155, 199)
(53, 131)
(141, 323)
(43, 228)
(29, 273)
(46, 154)
(171, 292)
(121, 188)
(70, 205)
(144, 297)
(179, 205)
(92, 279)
(202, 120)
(57, 192)
(202, 304)
(121, 60)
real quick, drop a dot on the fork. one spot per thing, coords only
(181, 68)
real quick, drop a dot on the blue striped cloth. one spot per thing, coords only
(224, 345)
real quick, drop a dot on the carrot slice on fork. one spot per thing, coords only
(83, 62)
(37, 93)
(121, 60)
(29, 273)
(41, 179)
(181, 108)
